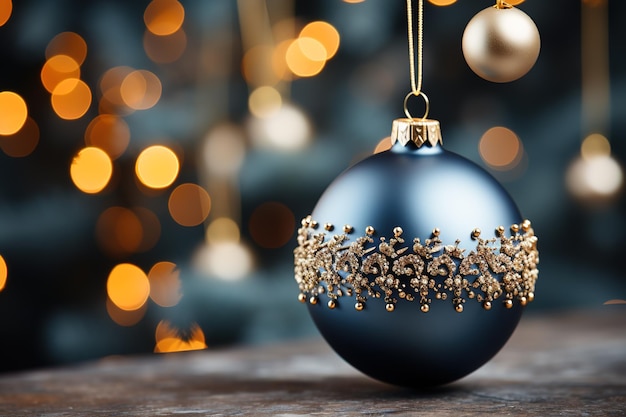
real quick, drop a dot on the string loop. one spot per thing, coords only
(426, 102)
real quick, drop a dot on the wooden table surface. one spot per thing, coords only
(570, 364)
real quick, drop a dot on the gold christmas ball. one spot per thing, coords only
(501, 44)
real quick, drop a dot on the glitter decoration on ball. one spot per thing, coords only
(416, 264)
(501, 43)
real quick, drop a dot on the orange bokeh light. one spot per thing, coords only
(91, 170)
(140, 90)
(272, 224)
(110, 87)
(157, 167)
(13, 112)
(3, 273)
(164, 17)
(168, 339)
(71, 99)
(6, 8)
(165, 284)
(70, 44)
(58, 68)
(128, 286)
(500, 148)
(442, 2)
(189, 204)
(279, 61)
(306, 57)
(119, 231)
(109, 133)
(23, 142)
(383, 145)
(325, 33)
(257, 66)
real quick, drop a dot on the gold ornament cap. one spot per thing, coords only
(418, 131)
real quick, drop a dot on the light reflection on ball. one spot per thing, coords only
(501, 45)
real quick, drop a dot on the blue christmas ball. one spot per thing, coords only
(416, 264)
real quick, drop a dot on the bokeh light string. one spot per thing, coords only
(595, 176)
(223, 254)
(273, 56)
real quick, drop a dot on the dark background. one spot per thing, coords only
(52, 309)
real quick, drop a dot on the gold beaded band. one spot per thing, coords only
(421, 271)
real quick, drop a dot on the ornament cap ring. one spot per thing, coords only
(416, 94)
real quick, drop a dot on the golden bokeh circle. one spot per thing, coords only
(13, 112)
(189, 204)
(128, 286)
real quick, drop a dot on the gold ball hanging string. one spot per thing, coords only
(501, 4)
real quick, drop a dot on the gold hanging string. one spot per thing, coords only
(501, 4)
(416, 84)
(416, 76)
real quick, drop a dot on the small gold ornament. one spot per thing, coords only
(501, 43)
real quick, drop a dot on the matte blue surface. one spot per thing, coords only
(418, 190)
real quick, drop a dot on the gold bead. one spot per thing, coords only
(526, 225)
(369, 230)
(459, 308)
(425, 308)
(508, 304)
(523, 301)
(332, 304)
(476, 233)
(515, 228)
(500, 230)
(531, 296)
(487, 305)
(313, 300)
(390, 307)
(329, 227)
(359, 306)
(347, 228)
(397, 231)
(436, 232)
(314, 224)
(302, 298)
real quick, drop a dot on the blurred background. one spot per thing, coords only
(157, 157)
